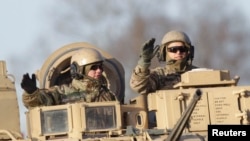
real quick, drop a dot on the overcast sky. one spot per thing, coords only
(22, 21)
(19, 25)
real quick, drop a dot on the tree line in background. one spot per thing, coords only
(219, 33)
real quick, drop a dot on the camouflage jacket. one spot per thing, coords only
(144, 82)
(78, 90)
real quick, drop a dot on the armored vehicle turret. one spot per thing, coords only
(203, 97)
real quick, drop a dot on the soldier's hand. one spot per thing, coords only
(29, 84)
(147, 53)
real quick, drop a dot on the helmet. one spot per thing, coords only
(176, 36)
(82, 58)
(173, 36)
(86, 56)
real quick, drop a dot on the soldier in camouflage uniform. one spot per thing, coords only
(176, 50)
(88, 83)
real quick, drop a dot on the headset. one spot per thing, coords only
(76, 71)
(191, 55)
(161, 55)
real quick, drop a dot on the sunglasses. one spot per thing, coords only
(97, 66)
(182, 49)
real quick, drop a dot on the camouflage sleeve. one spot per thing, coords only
(31, 100)
(143, 82)
(45, 97)
(105, 96)
(38, 98)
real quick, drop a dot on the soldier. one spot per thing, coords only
(176, 50)
(88, 83)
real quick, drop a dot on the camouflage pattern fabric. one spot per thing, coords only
(78, 90)
(145, 81)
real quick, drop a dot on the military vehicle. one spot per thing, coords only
(203, 97)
